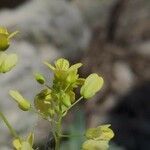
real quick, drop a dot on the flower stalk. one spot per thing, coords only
(12, 131)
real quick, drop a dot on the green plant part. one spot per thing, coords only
(5, 38)
(95, 145)
(7, 62)
(22, 102)
(21, 144)
(39, 78)
(54, 101)
(93, 83)
(98, 138)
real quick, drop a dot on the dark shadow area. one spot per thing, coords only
(130, 119)
(11, 3)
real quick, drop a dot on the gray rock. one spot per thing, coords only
(123, 77)
(56, 22)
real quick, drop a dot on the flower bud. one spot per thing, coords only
(39, 78)
(5, 38)
(22, 103)
(66, 99)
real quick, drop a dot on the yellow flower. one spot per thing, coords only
(7, 61)
(98, 138)
(27, 144)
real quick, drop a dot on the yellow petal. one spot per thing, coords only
(17, 144)
(93, 83)
(95, 145)
(62, 64)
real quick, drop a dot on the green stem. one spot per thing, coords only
(67, 88)
(13, 34)
(72, 135)
(58, 133)
(12, 131)
(75, 103)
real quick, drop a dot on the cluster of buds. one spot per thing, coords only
(7, 61)
(56, 100)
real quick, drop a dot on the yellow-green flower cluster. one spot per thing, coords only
(59, 97)
(56, 100)
(98, 138)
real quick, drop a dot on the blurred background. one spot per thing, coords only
(110, 37)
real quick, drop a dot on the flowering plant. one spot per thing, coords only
(54, 101)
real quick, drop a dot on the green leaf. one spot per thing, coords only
(39, 78)
(8, 62)
(95, 145)
(91, 86)
(22, 103)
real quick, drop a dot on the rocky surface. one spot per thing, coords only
(120, 53)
